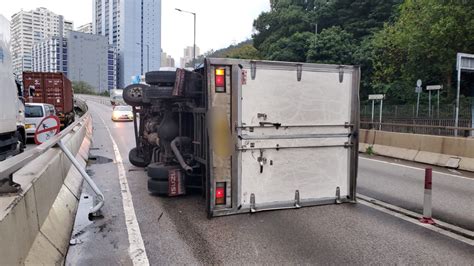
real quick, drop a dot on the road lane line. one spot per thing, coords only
(416, 168)
(413, 217)
(136, 248)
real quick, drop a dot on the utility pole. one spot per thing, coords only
(194, 44)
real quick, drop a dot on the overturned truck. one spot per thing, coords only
(251, 135)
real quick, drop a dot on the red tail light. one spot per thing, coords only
(220, 193)
(220, 80)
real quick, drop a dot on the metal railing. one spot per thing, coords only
(440, 130)
(11, 165)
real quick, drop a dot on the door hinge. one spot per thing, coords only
(341, 74)
(252, 203)
(253, 69)
(297, 199)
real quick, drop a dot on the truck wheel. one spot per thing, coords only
(158, 187)
(135, 159)
(159, 172)
(22, 141)
(133, 94)
(160, 77)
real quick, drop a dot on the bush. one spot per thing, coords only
(82, 87)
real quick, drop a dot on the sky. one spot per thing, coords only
(220, 23)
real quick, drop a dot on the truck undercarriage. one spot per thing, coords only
(169, 120)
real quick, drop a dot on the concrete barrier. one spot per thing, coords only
(435, 150)
(35, 226)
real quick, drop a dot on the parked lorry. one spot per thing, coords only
(50, 88)
(12, 119)
(252, 135)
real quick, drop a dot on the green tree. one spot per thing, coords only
(246, 51)
(82, 87)
(294, 48)
(284, 23)
(332, 46)
(422, 43)
(358, 17)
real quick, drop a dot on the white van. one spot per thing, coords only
(34, 114)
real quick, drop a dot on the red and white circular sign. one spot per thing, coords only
(48, 128)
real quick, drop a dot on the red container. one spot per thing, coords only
(51, 88)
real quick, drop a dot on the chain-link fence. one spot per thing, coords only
(404, 118)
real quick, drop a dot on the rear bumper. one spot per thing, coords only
(122, 119)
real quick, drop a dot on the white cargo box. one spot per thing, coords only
(292, 135)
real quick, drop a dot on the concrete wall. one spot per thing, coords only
(35, 226)
(436, 150)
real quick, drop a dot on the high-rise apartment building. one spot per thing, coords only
(85, 57)
(167, 60)
(91, 59)
(134, 28)
(188, 55)
(30, 27)
(86, 28)
(46, 55)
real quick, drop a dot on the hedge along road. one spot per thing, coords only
(176, 230)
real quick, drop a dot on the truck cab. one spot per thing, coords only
(12, 131)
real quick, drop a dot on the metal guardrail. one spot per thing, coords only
(9, 166)
(405, 128)
(98, 99)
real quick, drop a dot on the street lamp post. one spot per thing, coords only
(194, 44)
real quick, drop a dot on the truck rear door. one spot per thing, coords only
(295, 130)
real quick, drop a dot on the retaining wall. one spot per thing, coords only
(436, 150)
(36, 225)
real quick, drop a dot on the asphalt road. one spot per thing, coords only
(176, 230)
(402, 184)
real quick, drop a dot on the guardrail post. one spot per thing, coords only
(95, 210)
(427, 204)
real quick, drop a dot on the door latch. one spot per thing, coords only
(261, 160)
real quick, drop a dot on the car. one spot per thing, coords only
(122, 113)
(34, 114)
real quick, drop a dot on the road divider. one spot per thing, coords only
(443, 151)
(36, 224)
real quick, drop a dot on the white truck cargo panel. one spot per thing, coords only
(9, 100)
(296, 135)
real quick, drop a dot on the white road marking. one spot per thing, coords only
(415, 168)
(136, 248)
(403, 214)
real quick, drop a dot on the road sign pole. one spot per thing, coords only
(418, 90)
(456, 121)
(380, 118)
(429, 104)
(373, 109)
(438, 104)
(417, 105)
(472, 116)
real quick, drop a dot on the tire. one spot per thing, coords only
(133, 94)
(135, 159)
(158, 187)
(159, 172)
(160, 77)
(22, 141)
